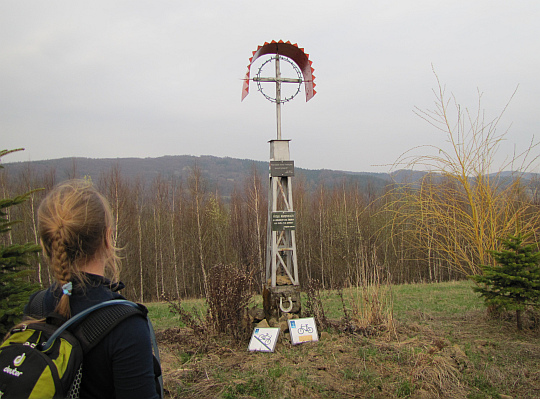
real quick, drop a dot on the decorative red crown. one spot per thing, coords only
(288, 50)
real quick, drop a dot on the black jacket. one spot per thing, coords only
(120, 366)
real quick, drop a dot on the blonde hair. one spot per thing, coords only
(75, 226)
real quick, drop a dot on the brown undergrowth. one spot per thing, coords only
(441, 358)
(367, 353)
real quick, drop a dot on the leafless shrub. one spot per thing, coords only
(314, 306)
(347, 318)
(228, 298)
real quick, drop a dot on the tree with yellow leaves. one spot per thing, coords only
(453, 215)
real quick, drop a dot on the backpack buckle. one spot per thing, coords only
(21, 328)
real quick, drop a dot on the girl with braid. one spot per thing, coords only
(75, 225)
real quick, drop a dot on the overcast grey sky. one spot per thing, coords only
(107, 79)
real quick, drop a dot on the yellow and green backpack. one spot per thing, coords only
(42, 360)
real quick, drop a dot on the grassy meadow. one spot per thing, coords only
(441, 344)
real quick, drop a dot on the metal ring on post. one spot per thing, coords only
(260, 79)
(281, 304)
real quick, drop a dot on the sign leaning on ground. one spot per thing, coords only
(264, 339)
(303, 330)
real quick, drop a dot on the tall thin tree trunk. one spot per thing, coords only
(156, 256)
(36, 239)
(200, 243)
(160, 235)
(141, 269)
(173, 242)
(258, 225)
(321, 239)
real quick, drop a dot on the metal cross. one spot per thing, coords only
(278, 79)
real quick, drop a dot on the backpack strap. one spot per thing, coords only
(97, 324)
(91, 325)
(36, 306)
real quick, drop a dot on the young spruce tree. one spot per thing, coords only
(514, 283)
(15, 288)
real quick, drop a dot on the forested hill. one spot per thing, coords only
(219, 174)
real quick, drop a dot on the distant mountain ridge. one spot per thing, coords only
(221, 174)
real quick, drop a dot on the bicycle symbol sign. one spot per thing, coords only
(264, 339)
(303, 330)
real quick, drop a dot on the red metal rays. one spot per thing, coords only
(291, 51)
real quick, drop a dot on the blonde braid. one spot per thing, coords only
(61, 267)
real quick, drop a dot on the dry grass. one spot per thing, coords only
(433, 354)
